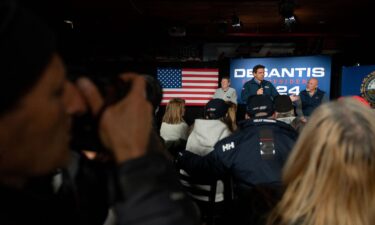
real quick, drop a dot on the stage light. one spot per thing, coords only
(290, 21)
(236, 22)
(286, 10)
(70, 23)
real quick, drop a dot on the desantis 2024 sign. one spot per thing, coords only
(289, 75)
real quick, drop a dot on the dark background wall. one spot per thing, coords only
(108, 37)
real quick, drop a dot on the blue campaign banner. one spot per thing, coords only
(352, 78)
(289, 75)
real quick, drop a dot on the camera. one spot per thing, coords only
(85, 135)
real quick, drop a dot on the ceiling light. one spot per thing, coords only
(236, 22)
(70, 23)
(290, 20)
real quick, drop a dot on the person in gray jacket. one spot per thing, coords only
(206, 133)
(225, 92)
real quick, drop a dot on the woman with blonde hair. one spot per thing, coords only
(173, 126)
(330, 174)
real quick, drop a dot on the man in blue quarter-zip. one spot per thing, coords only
(258, 86)
(312, 97)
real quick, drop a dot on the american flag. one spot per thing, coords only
(196, 86)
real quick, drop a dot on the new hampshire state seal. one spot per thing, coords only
(368, 88)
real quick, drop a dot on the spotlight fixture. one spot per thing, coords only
(289, 21)
(286, 10)
(236, 22)
(70, 23)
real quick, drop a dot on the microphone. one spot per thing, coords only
(261, 84)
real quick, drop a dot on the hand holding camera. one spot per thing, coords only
(124, 127)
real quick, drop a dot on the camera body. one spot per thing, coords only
(85, 135)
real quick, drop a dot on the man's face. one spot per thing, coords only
(225, 84)
(259, 74)
(312, 84)
(34, 136)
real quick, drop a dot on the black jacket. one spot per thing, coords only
(142, 191)
(240, 156)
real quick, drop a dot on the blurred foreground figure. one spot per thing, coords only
(329, 174)
(36, 106)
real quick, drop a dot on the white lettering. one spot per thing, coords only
(282, 89)
(249, 73)
(228, 147)
(300, 71)
(274, 72)
(283, 72)
(318, 72)
(239, 73)
(294, 90)
(308, 72)
(264, 120)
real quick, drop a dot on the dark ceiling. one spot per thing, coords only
(174, 29)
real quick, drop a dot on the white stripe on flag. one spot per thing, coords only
(189, 90)
(200, 78)
(200, 73)
(186, 95)
(199, 84)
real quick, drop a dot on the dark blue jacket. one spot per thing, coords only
(239, 155)
(251, 87)
(310, 103)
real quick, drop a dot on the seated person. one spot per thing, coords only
(246, 154)
(253, 156)
(225, 92)
(284, 111)
(173, 126)
(206, 133)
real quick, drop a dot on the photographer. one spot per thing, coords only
(36, 107)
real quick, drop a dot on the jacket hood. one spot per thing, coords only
(205, 135)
